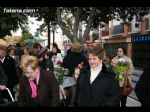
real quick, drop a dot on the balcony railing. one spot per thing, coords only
(135, 28)
(117, 30)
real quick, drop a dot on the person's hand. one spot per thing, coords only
(80, 66)
(113, 64)
(125, 73)
(76, 73)
(2, 87)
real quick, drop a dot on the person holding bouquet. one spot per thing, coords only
(123, 67)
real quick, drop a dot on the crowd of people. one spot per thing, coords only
(91, 80)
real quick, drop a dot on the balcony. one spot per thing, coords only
(135, 28)
(117, 30)
(104, 34)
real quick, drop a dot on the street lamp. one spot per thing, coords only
(53, 29)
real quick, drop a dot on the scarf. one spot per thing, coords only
(34, 86)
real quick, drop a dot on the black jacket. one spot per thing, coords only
(47, 64)
(72, 60)
(10, 70)
(3, 77)
(142, 88)
(104, 90)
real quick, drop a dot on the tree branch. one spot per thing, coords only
(63, 25)
(89, 24)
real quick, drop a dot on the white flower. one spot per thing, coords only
(121, 60)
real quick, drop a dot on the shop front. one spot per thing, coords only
(141, 50)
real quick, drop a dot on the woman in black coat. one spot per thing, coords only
(96, 86)
(8, 64)
(47, 63)
(142, 88)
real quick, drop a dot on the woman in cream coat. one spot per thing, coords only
(121, 56)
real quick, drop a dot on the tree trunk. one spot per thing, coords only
(63, 25)
(74, 37)
(89, 25)
(76, 26)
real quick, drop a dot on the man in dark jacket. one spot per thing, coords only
(8, 64)
(3, 82)
(142, 88)
(96, 86)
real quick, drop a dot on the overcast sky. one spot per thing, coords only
(33, 25)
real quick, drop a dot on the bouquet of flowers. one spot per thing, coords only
(60, 72)
(120, 68)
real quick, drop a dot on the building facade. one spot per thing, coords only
(135, 37)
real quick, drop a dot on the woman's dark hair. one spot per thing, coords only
(123, 48)
(55, 45)
(48, 53)
(37, 45)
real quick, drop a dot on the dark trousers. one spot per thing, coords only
(1, 99)
(123, 101)
(70, 96)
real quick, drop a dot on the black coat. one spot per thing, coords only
(10, 70)
(72, 60)
(142, 88)
(3, 77)
(47, 64)
(104, 90)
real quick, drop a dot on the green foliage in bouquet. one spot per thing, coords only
(120, 68)
(59, 73)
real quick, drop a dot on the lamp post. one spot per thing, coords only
(53, 28)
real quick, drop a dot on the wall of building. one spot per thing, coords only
(138, 51)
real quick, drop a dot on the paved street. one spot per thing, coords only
(132, 100)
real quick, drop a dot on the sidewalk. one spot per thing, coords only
(132, 102)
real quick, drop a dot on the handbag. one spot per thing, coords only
(127, 87)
